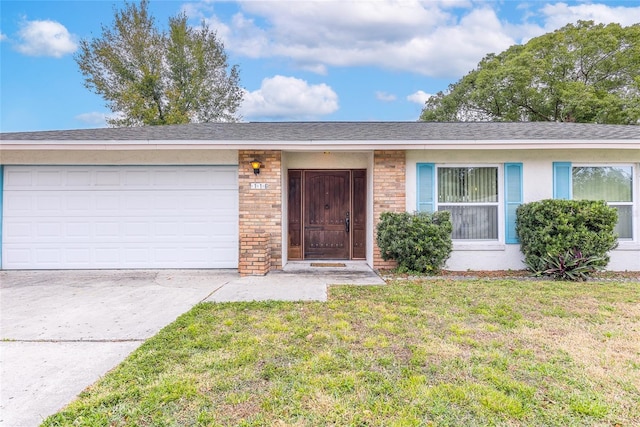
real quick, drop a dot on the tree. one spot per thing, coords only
(148, 77)
(579, 73)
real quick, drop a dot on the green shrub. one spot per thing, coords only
(419, 242)
(559, 236)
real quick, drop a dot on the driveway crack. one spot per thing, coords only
(214, 291)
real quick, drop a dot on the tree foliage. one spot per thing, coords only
(149, 77)
(580, 73)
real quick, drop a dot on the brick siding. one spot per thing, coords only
(255, 254)
(389, 192)
(260, 224)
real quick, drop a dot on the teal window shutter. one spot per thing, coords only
(426, 187)
(513, 197)
(562, 180)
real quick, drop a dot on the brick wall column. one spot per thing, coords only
(260, 219)
(255, 254)
(389, 192)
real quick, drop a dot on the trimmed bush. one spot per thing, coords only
(419, 242)
(567, 239)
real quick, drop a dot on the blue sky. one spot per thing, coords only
(299, 60)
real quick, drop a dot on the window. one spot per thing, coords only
(473, 197)
(613, 184)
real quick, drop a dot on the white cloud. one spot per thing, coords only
(437, 38)
(557, 15)
(560, 14)
(45, 38)
(456, 49)
(315, 68)
(393, 34)
(3, 37)
(384, 96)
(93, 118)
(419, 97)
(289, 98)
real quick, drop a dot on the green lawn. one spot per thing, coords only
(433, 352)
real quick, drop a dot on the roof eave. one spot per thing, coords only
(317, 145)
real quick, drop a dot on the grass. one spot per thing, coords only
(412, 353)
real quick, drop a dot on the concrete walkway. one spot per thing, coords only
(298, 281)
(62, 330)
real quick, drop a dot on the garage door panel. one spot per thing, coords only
(119, 217)
(127, 230)
(18, 179)
(78, 257)
(136, 178)
(116, 178)
(48, 178)
(80, 230)
(195, 179)
(165, 178)
(21, 204)
(52, 230)
(223, 232)
(107, 203)
(105, 257)
(118, 257)
(16, 256)
(223, 199)
(135, 255)
(48, 256)
(19, 231)
(106, 229)
(48, 205)
(109, 178)
(166, 229)
(77, 178)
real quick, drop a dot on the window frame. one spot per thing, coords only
(632, 203)
(499, 204)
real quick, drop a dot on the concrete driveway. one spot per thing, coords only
(62, 330)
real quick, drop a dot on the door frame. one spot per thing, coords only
(357, 207)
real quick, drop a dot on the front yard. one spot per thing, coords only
(415, 352)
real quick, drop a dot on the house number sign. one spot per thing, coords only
(259, 185)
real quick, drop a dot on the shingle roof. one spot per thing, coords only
(340, 131)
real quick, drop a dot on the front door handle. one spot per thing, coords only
(347, 222)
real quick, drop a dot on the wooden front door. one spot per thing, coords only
(327, 216)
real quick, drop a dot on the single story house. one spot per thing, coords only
(188, 196)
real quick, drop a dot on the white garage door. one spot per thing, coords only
(76, 217)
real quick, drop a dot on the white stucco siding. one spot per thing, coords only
(625, 258)
(537, 182)
(326, 160)
(498, 257)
